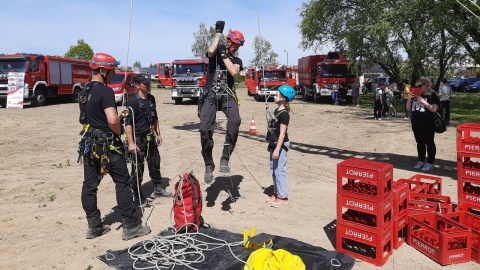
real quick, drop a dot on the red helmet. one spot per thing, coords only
(236, 37)
(103, 60)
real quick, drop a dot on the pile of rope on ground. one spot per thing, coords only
(177, 249)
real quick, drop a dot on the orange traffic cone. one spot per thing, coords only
(253, 129)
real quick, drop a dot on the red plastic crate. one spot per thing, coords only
(369, 247)
(415, 186)
(468, 207)
(400, 195)
(468, 138)
(370, 179)
(371, 216)
(442, 239)
(444, 202)
(468, 165)
(400, 231)
(434, 183)
(473, 222)
(469, 191)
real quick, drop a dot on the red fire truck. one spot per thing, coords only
(318, 73)
(45, 76)
(263, 83)
(123, 86)
(186, 77)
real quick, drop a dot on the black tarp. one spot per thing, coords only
(314, 258)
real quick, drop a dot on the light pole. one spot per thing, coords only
(287, 56)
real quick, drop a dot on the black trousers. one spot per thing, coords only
(149, 151)
(208, 111)
(119, 173)
(377, 109)
(446, 109)
(425, 138)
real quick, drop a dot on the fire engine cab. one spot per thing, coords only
(263, 83)
(45, 76)
(187, 78)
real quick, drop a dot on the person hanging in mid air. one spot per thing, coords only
(220, 94)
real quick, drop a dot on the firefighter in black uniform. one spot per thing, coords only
(102, 153)
(220, 94)
(144, 137)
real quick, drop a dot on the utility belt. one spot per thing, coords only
(273, 145)
(218, 93)
(98, 145)
(272, 140)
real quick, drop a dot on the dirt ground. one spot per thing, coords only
(43, 225)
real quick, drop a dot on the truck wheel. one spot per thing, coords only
(316, 98)
(76, 95)
(178, 101)
(249, 93)
(40, 98)
(306, 97)
(3, 103)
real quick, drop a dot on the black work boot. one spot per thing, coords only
(224, 167)
(209, 167)
(160, 191)
(137, 231)
(97, 231)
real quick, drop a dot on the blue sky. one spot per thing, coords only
(161, 30)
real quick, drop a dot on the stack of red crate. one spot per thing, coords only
(400, 194)
(365, 210)
(468, 163)
(417, 193)
(468, 214)
(441, 238)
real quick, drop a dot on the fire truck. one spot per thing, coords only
(45, 76)
(123, 86)
(186, 78)
(318, 73)
(263, 83)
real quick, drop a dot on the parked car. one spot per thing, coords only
(462, 83)
(473, 88)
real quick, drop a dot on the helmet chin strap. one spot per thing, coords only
(104, 78)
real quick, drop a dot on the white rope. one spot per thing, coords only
(128, 53)
(166, 252)
(465, 7)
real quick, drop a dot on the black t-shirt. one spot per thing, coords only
(283, 117)
(217, 60)
(100, 98)
(421, 116)
(145, 113)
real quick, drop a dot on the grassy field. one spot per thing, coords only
(464, 107)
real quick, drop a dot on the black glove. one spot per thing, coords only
(219, 25)
(222, 50)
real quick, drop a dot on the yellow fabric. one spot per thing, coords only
(267, 259)
(407, 91)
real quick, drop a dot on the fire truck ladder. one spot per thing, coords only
(220, 91)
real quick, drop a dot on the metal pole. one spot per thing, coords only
(287, 56)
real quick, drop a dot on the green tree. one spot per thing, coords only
(263, 53)
(203, 39)
(153, 65)
(406, 38)
(81, 51)
(137, 64)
